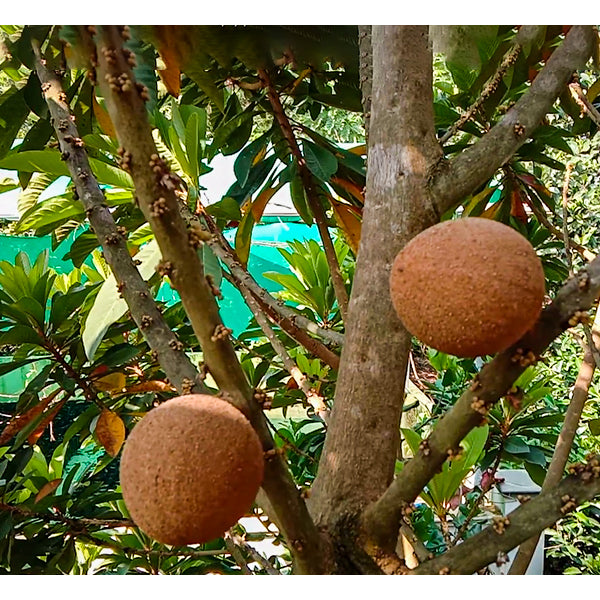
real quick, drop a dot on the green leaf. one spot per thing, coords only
(192, 140)
(108, 306)
(245, 159)
(594, 426)
(243, 237)
(299, 199)
(321, 162)
(227, 208)
(30, 195)
(13, 112)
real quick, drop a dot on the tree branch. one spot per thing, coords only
(144, 310)
(155, 187)
(564, 443)
(453, 180)
(283, 315)
(578, 294)
(529, 519)
(313, 398)
(586, 106)
(312, 196)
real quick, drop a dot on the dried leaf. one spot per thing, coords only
(20, 421)
(47, 489)
(36, 434)
(171, 74)
(110, 431)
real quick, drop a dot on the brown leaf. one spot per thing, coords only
(171, 74)
(18, 422)
(36, 434)
(110, 431)
(348, 220)
(47, 489)
(350, 187)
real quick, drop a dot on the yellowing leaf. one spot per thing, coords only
(47, 489)
(110, 431)
(103, 118)
(349, 222)
(359, 150)
(113, 382)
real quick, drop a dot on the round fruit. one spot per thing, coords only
(468, 287)
(190, 469)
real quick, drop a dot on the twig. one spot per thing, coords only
(543, 219)
(491, 86)
(582, 100)
(136, 292)
(314, 201)
(236, 554)
(290, 321)
(565, 211)
(313, 398)
(576, 295)
(255, 555)
(74, 522)
(529, 519)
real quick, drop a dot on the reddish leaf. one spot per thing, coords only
(517, 209)
(47, 489)
(36, 434)
(20, 421)
(110, 431)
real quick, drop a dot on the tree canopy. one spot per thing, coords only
(370, 437)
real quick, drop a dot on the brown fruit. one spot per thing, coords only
(468, 287)
(190, 469)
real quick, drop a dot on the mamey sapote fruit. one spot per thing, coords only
(190, 469)
(468, 287)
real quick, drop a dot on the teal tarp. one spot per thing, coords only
(264, 257)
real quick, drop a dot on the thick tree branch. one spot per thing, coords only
(144, 310)
(370, 388)
(155, 187)
(452, 181)
(529, 519)
(564, 443)
(578, 294)
(312, 196)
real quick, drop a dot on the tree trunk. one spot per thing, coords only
(360, 449)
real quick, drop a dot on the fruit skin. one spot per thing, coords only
(468, 287)
(190, 469)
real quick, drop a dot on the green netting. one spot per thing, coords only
(264, 257)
